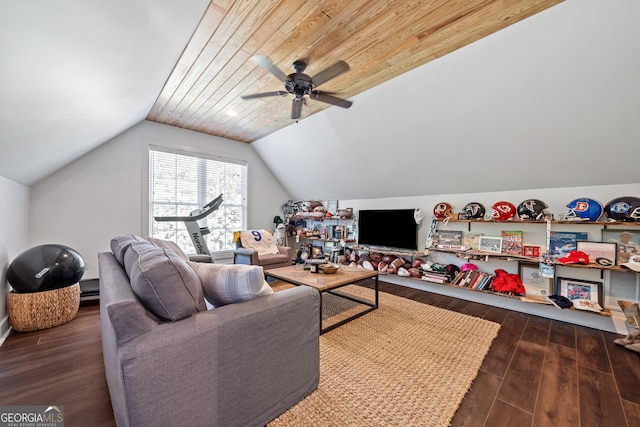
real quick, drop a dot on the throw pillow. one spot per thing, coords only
(259, 240)
(230, 283)
(164, 283)
(167, 244)
(120, 244)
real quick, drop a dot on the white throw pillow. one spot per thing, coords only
(230, 283)
(259, 240)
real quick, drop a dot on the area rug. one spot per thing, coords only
(404, 364)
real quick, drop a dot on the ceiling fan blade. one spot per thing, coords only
(329, 73)
(296, 108)
(266, 63)
(264, 94)
(323, 97)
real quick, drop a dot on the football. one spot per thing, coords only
(414, 272)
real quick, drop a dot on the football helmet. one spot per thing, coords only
(626, 208)
(532, 209)
(443, 210)
(584, 209)
(474, 210)
(502, 211)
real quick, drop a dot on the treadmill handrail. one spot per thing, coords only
(206, 210)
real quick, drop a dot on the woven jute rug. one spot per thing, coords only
(404, 364)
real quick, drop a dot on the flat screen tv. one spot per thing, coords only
(388, 228)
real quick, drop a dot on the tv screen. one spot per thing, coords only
(388, 228)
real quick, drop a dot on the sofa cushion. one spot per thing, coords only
(167, 244)
(165, 284)
(273, 259)
(230, 283)
(120, 244)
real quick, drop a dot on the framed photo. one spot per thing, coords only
(317, 252)
(533, 281)
(574, 289)
(449, 238)
(332, 206)
(628, 242)
(490, 244)
(602, 253)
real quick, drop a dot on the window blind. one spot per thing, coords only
(182, 182)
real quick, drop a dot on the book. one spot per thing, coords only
(473, 274)
(459, 277)
(563, 242)
(434, 278)
(512, 242)
(478, 280)
(473, 278)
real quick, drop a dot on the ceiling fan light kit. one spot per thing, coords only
(300, 84)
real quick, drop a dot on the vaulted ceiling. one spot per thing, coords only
(379, 40)
(434, 83)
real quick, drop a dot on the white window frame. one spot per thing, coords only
(189, 248)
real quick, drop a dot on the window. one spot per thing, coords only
(182, 182)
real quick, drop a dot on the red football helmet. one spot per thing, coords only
(503, 211)
(443, 210)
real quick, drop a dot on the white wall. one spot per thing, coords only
(14, 237)
(102, 194)
(620, 285)
(549, 102)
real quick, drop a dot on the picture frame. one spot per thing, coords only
(317, 252)
(628, 242)
(332, 206)
(490, 244)
(603, 254)
(574, 289)
(449, 238)
(531, 251)
(533, 280)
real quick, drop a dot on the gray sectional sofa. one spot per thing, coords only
(171, 361)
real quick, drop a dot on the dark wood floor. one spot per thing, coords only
(538, 372)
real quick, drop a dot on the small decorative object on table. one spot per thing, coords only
(329, 268)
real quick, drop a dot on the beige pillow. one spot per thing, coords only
(230, 283)
(259, 240)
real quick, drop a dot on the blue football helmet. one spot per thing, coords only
(584, 209)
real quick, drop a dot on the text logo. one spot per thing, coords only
(31, 416)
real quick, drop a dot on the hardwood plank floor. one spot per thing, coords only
(538, 372)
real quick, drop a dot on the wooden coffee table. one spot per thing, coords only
(297, 275)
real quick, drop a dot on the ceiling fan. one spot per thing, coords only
(300, 84)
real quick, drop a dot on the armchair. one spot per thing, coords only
(257, 247)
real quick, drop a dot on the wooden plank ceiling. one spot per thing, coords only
(378, 39)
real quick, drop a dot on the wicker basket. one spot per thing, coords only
(42, 310)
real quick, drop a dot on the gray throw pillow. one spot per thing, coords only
(164, 283)
(230, 283)
(167, 244)
(120, 244)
